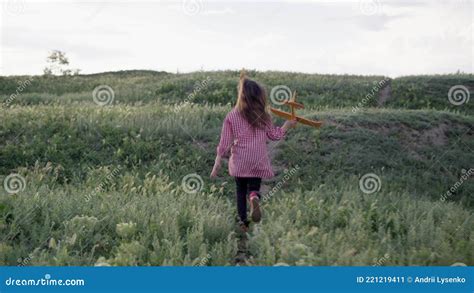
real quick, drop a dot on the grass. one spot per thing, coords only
(315, 90)
(103, 185)
(415, 92)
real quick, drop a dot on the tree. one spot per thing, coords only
(58, 64)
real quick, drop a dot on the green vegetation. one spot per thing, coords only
(315, 90)
(103, 185)
(416, 92)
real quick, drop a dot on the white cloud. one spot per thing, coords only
(226, 10)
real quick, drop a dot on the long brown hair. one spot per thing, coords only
(252, 103)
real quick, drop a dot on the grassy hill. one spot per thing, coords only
(416, 92)
(103, 185)
(315, 90)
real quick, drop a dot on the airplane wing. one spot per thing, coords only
(287, 116)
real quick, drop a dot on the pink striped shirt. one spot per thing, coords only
(248, 146)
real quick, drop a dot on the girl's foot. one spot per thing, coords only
(255, 212)
(244, 226)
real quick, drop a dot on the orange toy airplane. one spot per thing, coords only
(293, 105)
(292, 116)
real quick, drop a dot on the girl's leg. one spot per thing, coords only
(254, 194)
(254, 185)
(241, 194)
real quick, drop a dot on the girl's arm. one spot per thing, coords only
(227, 137)
(217, 166)
(277, 133)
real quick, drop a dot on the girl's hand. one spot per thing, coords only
(289, 124)
(217, 166)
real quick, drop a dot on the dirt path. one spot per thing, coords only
(385, 94)
(242, 258)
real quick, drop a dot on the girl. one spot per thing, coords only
(245, 133)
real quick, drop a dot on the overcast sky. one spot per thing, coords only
(390, 38)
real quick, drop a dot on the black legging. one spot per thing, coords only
(245, 186)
